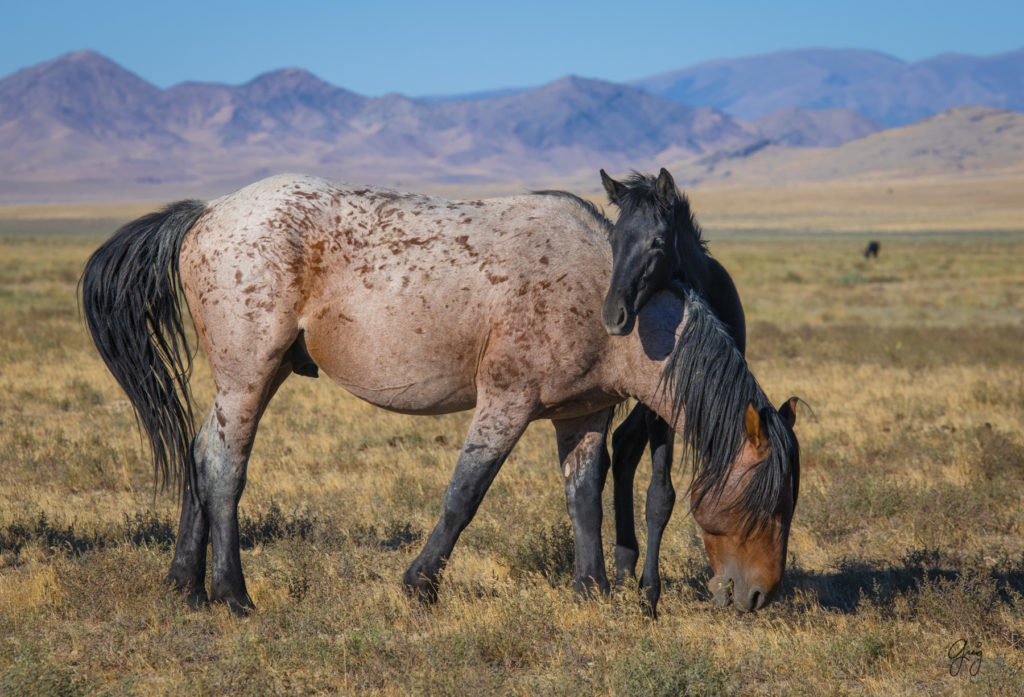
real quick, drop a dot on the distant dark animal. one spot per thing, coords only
(656, 241)
(872, 250)
(425, 306)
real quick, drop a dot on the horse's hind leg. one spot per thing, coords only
(495, 429)
(209, 509)
(661, 498)
(188, 570)
(584, 457)
(628, 443)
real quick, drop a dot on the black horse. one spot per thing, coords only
(656, 241)
(872, 250)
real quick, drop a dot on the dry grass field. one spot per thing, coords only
(908, 539)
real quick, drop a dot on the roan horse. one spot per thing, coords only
(656, 241)
(423, 306)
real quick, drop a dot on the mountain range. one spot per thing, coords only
(886, 89)
(81, 126)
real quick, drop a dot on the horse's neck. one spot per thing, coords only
(636, 361)
(694, 267)
(724, 300)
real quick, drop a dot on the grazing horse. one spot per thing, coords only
(655, 241)
(872, 250)
(425, 306)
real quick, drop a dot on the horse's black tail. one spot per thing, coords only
(130, 292)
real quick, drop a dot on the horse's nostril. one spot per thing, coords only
(622, 316)
(759, 598)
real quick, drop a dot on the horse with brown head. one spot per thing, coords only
(421, 306)
(656, 241)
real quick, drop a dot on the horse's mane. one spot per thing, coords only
(641, 192)
(708, 380)
(586, 205)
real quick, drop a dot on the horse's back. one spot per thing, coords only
(401, 297)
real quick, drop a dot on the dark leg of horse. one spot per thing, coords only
(661, 497)
(222, 450)
(221, 474)
(188, 570)
(584, 457)
(494, 431)
(628, 443)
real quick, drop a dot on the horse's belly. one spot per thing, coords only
(399, 370)
(432, 395)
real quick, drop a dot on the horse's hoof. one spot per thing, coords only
(240, 604)
(195, 595)
(648, 607)
(624, 576)
(197, 601)
(649, 596)
(420, 586)
(421, 589)
(241, 609)
(625, 565)
(590, 588)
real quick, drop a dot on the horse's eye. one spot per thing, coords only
(658, 243)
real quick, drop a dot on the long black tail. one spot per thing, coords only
(130, 292)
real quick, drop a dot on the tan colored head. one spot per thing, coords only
(748, 557)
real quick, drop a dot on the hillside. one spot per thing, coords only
(81, 127)
(962, 142)
(881, 87)
(84, 123)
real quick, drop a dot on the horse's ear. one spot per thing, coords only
(666, 188)
(756, 433)
(788, 410)
(615, 189)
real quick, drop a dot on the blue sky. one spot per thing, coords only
(418, 48)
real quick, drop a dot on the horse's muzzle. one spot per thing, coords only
(617, 316)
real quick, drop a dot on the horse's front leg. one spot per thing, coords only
(661, 498)
(628, 443)
(495, 429)
(584, 456)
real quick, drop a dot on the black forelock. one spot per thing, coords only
(641, 193)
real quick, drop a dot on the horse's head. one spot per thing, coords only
(643, 250)
(654, 240)
(748, 554)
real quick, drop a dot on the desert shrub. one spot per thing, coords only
(273, 524)
(34, 674)
(545, 549)
(391, 535)
(997, 456)
(669, 670)
(54, 536)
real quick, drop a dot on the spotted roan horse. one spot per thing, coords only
(422, 306)
(656, 241)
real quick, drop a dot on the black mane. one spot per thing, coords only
(708, 380)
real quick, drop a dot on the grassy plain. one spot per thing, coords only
(908, 537)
